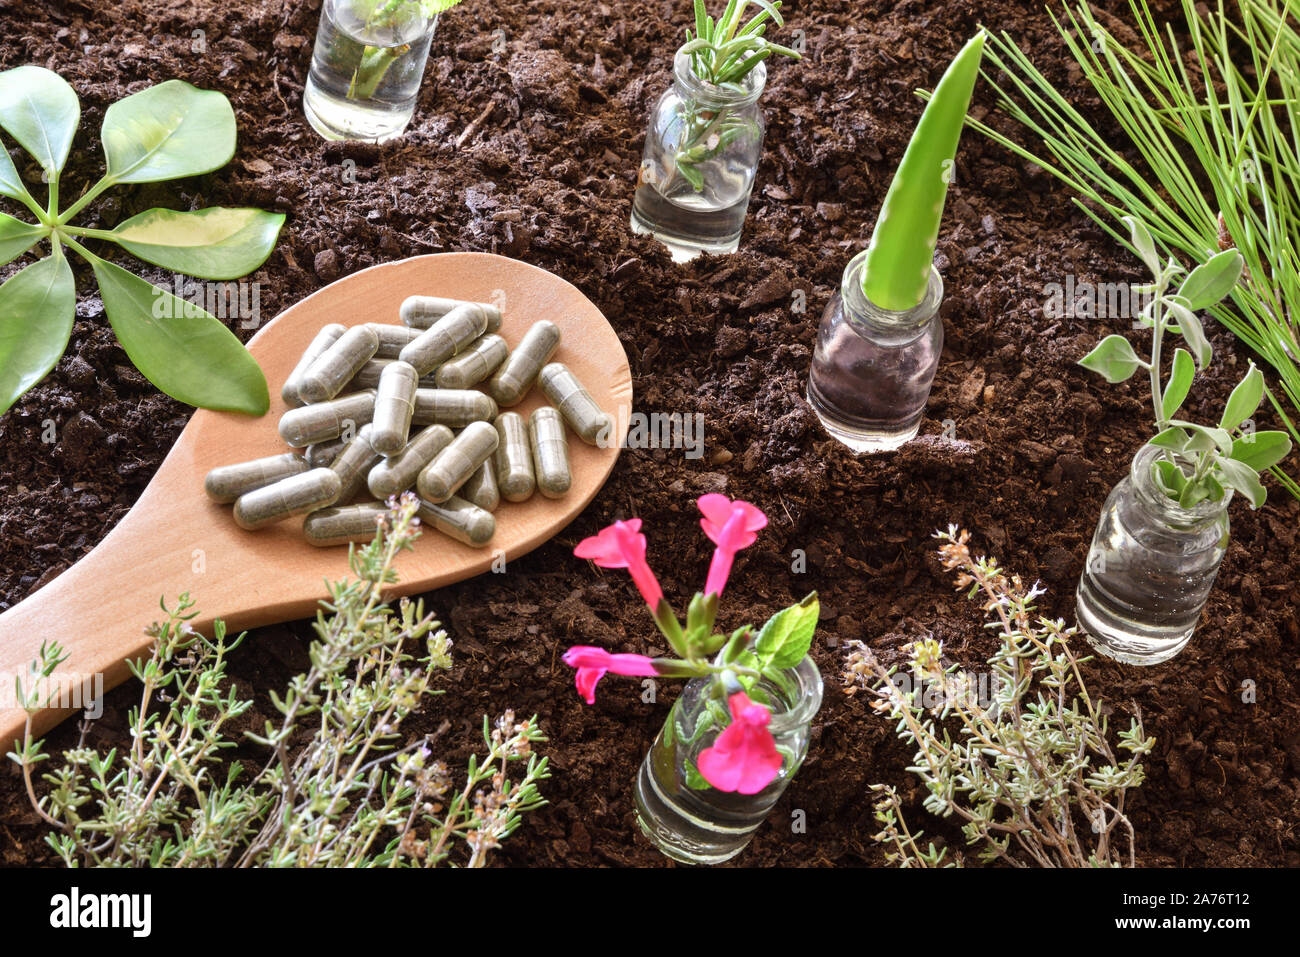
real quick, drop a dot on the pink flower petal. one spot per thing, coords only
(744, 758)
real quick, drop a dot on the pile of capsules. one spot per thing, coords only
(355, 396)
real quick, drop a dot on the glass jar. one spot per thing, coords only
(687, 818)
(701, 154)
(872, 368)
(366, 68)
(1151, 566)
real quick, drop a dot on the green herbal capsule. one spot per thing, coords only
(514, 458)
(327, 420)
(421, 312)
(446, 337)
(227, 482)
(335, 367)
(324, 339)
(394, 406)
(320, 455)
(453, 466)
(367, 376)
(575, 403)
(550, 452)
(343, 524)
(453, 407)
(481, 488)
(294, 495)
(461, 520)
(399, 472)
(354, 463)
(518, 373)
(392, 339)
(473, 365)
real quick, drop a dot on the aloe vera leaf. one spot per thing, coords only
(902, 245)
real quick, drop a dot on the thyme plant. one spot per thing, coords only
(1029, 771)
(338, 788)
(1199, 462)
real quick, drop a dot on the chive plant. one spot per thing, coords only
(1208, 158)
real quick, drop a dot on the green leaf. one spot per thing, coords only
(1141, 239)
(694, 779)
(1261, 450)
(40, 110)
(899, 256)
(1243, 478)
(183, 350)
(1170, 477)
(11, 184)
(785, 639)
(1217, 438)
(37, 306)
(16, 237)
(1212, 280)
(1193, 333)
(1113, 358)
(1245, 399)
(215, 243)
(1172, 438)
(1180, 383)
(167, 131)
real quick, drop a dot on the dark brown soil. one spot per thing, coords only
(531, 152)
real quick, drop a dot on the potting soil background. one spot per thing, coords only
(526, 142)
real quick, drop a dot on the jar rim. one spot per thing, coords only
(863, 310)
(808, 698)
(744, 93)
(1141, 473)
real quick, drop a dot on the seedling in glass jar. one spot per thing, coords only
(1163, 530)
(880, 337)
(705, 134)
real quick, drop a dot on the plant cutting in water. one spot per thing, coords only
(901, 250)
(1200, 461)
(1206, 156)
(743, 759)
(375, 61)
(722, 54)
(164, 132)
(1030, 773)
(880, 338)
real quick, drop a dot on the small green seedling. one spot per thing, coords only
(164, 132)
(897, 267)
(1201, 462)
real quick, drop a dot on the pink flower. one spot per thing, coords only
(622, 545)
(592, 663)
(744, 758)
(731, 526)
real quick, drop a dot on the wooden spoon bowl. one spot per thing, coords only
(176, 540)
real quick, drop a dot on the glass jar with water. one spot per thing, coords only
(366, 68)
(872, 368)
(701, 154)
(688, 819)
(1151, 566)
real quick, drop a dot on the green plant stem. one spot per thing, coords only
(87, 232)
(86, 198)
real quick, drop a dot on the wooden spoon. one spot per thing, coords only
(176, 540)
